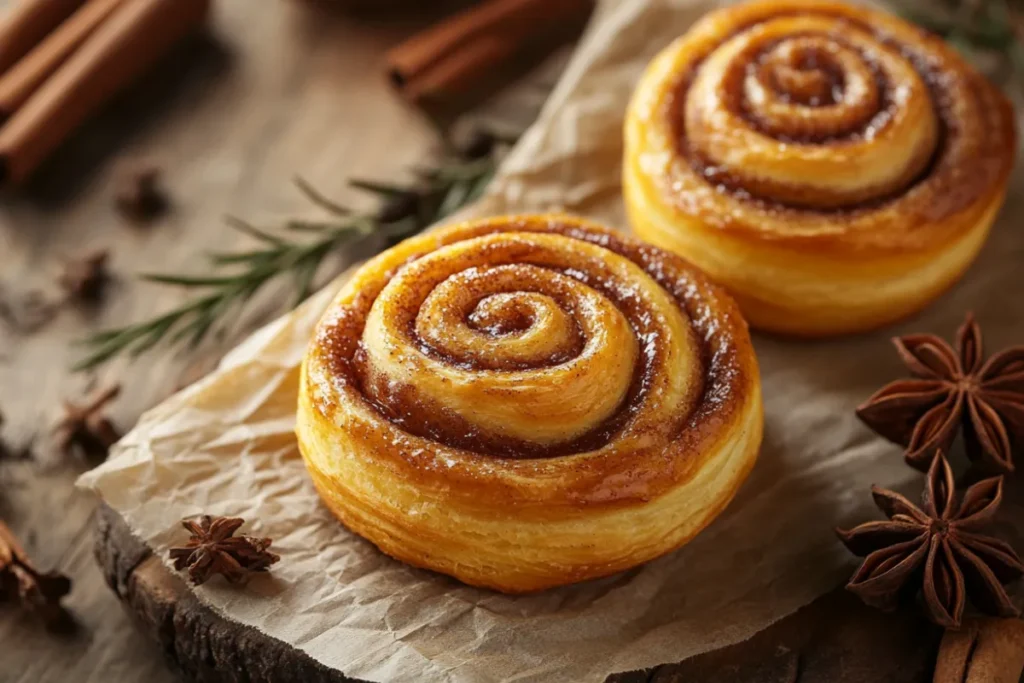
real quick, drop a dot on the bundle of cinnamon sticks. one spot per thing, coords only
(60, 60)
(463, 51)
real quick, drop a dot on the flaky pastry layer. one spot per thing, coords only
(836, 168)
(525, 402)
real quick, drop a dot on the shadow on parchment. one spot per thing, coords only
(169, 89)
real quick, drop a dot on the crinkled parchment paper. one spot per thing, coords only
(225, 446)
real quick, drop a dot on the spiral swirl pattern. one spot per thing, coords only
(791, 84)
(541, 363)
(816, 128)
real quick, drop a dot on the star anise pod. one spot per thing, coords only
(952, 389)
(935, 549)
(85, 278)
(86, 429)
(38, 592)
(213, 548)
(139, 196)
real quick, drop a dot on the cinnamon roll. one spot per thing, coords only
(529, 401)
(836, 168)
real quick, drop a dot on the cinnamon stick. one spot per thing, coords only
(135, 35)
(461, 51)
(984, 650)
(460, 69)
(28, 23)
(25, 77)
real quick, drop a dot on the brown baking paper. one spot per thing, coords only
(225, 446)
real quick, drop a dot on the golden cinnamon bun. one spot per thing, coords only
(836, 168)
(529, 401)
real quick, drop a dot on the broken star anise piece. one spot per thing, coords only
(213, 548)
(935, 550)
(139, 195)
(85, 278)
(37, 592)
(86, 429)
(952, 389)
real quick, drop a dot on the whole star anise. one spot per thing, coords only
(952, 389)
(213, 548)
(935, 549)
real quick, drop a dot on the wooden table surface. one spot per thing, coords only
(279, 87)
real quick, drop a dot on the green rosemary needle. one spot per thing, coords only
(298, 251)
(974, 27)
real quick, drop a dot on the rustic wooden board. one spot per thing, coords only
(833, 640)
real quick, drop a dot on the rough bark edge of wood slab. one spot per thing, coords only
(197, 642)
(833, 640)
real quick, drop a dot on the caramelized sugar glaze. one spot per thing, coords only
(528, 401)
(834, 166)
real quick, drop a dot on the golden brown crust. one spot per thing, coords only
(834, 166)
(525, 402)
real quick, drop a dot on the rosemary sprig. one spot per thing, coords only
(404, 209)
(974, 27)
